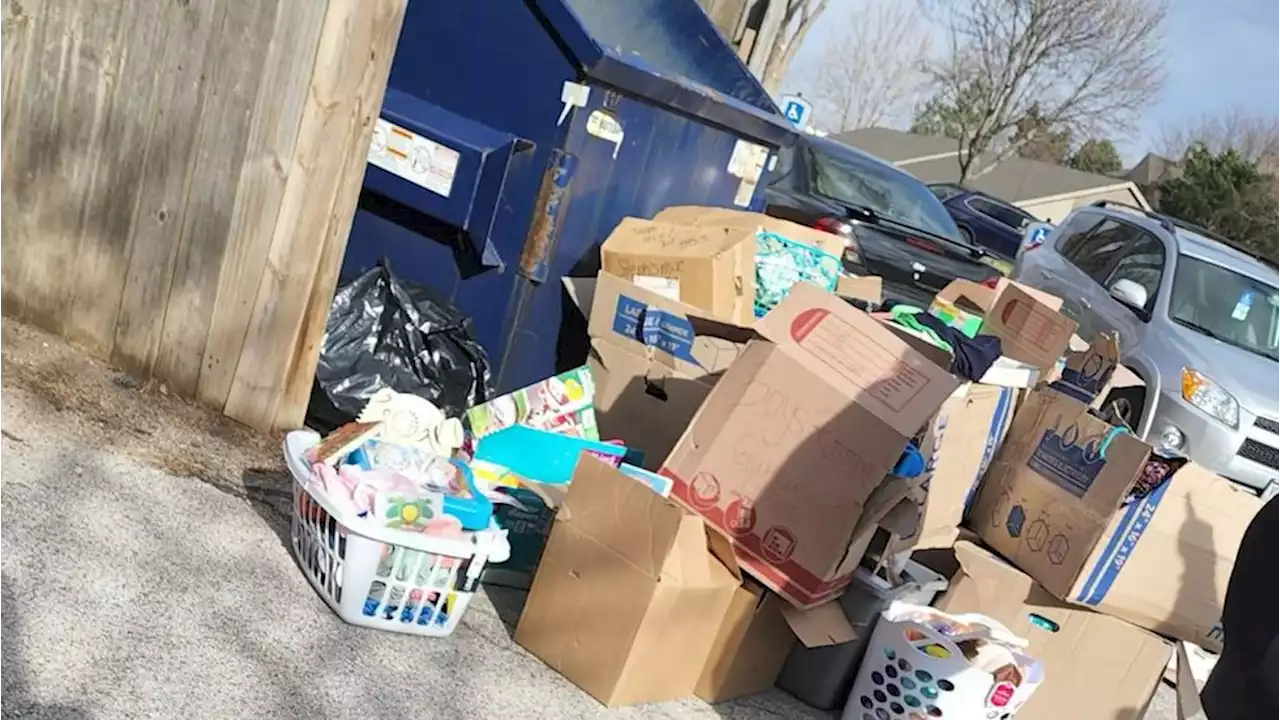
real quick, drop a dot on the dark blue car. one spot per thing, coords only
(984, 220)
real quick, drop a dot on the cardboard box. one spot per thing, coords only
(758, 632)
(789, 445)
(627, 600)
(712, 268)
(653, 361)
(960, 443)
(698, 216)
(1095, 666)
(1027, 321)
(1056, 507)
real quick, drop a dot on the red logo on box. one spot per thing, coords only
(739, 517)
(704, 492)
(1001, 694)
(778, 544)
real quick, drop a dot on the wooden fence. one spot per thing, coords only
(179, 178)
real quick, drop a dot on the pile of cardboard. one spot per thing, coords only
(777, 436)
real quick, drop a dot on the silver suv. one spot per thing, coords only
(1197, 322)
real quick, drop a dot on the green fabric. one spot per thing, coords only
(904, 315)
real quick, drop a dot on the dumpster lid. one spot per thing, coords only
(668, 52)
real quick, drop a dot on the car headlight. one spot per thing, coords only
(1209, 396)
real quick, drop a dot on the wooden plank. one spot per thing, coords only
(102, 255)
(157, 216)
(233, 71)
(28, 79)
(352, 64)
(28, 166)
(272, 138)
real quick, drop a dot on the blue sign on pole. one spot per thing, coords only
(796, 109)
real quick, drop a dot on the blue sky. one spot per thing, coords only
(1220, 54)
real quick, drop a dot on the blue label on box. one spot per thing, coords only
(656, 328)
(1071, 466)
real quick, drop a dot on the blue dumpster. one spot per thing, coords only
(516, 134)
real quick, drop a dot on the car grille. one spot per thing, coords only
(1260, 453)
(1268, 424)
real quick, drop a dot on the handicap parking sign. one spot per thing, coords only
(1035, 234)
(796, 109)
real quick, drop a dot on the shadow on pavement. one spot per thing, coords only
(18, 702)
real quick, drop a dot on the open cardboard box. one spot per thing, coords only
(634, 601)
(1027, 321)
(787, 449)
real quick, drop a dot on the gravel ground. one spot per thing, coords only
(145, 575)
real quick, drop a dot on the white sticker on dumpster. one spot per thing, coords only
(747, 163)
(410, 156)
(604, 126)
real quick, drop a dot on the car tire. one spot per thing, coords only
(1125, 406)
(967, 234)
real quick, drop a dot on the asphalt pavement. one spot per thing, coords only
(146, 575)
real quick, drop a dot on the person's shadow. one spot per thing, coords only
(14, 695)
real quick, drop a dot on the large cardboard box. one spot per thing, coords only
(1027, 321)
(959, 444)
(1095, 666)
(653, 361)
(700, 216)
(627, 600)
(1056, 504)
(712, 268)
(796, 435)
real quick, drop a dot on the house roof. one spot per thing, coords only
(1152, 169)
(1015, 179)
(895, 145)
(933, 159)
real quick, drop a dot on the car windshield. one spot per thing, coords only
(854, 180)
(1225, 305)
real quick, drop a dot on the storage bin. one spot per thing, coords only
(822, 676)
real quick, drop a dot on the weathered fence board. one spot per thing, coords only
(179, 180)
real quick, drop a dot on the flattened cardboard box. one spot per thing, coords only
(627, 600)
(1027, 321)
(1095, 666)
(1054, 504)
(711, 268)
(789, 445)
(653, 361)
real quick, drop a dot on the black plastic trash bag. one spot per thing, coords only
(384, 333)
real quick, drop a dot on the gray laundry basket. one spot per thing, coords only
(822, 676)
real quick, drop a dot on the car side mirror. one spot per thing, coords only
(1130, 293)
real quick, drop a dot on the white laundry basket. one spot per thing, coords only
(380, 577)
(900, 680)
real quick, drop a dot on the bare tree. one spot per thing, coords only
(871, 70)
(1255, 136)
(796, 19)
(1089, 67)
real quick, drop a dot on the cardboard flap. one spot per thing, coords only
(821, 626)
(667, 332)
(700, 216)
(1189, 707)
(634, 235)
(968, 295)
(689, 563)
(1087, 372)
(861, 287)
(722, 549)
(623, 515)
(857, 355)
